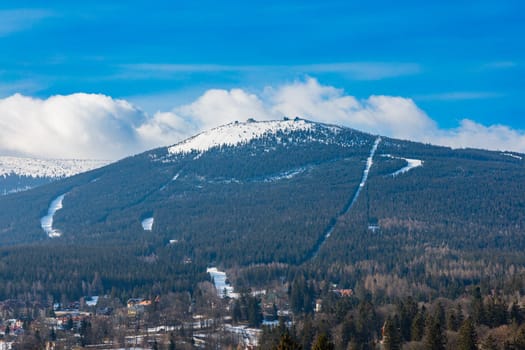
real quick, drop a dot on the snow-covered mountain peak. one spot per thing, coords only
(48, 168)
(237, 133)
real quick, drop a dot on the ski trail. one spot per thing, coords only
(411, 164)
(350, 204)
(46, 222)
(147, 223)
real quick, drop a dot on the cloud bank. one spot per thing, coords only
(72, 126)
(100, 127)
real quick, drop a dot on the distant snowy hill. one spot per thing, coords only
(20, 174)
(236, 133)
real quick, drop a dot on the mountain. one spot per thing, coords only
(249, 195)
(21, 174)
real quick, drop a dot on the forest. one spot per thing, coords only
(445, 256)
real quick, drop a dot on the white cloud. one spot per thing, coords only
(98, 126)
(72, 126)
(475, 135)
(383, 115)
(16, 20)
(215, 107)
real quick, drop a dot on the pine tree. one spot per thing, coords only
(467, 336)
(418, 327)
(236, 311)
(435, 339)
(452, 320)
(408, 310)
(391, 335)
(516, 315)
(254, 312)
(322, 343)
(519, 341)
(172, 342)
(489, 343)
(478, 310)
(52, 334)
(288, 343)
(459, 315)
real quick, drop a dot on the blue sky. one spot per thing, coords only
(455, 60)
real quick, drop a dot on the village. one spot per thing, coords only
(215, 317)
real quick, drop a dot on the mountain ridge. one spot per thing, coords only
(334, 199)
(21, 174)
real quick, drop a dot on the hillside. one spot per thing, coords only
(334, 200)
(21, 174)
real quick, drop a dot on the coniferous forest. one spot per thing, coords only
(430, 258)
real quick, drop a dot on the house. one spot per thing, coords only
(137, 306)
(318, 305)
(344, 292)
(373, 225)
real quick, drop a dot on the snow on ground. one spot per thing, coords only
(16, 190)
(56, 168)
(46, 222)
(147, 224)
(515, 156)
(411, 164)
(369, 162)
(237, 133)
(223, 288)
(285, 175)
(249, 336)
(93, 301)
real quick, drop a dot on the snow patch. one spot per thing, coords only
(92, 301)
(147, 224)
(286, 175)
(369, 162)
(411, 164)
(237, 133)
(46, 222)
(224, 289)
(515, 156)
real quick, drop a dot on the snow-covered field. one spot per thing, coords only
(237, 133)
(411, 164)
(286, 175)
(369, 162)
(147, 224)
(46, 222)
(55, 168)
(249, 336)
(223, 288)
